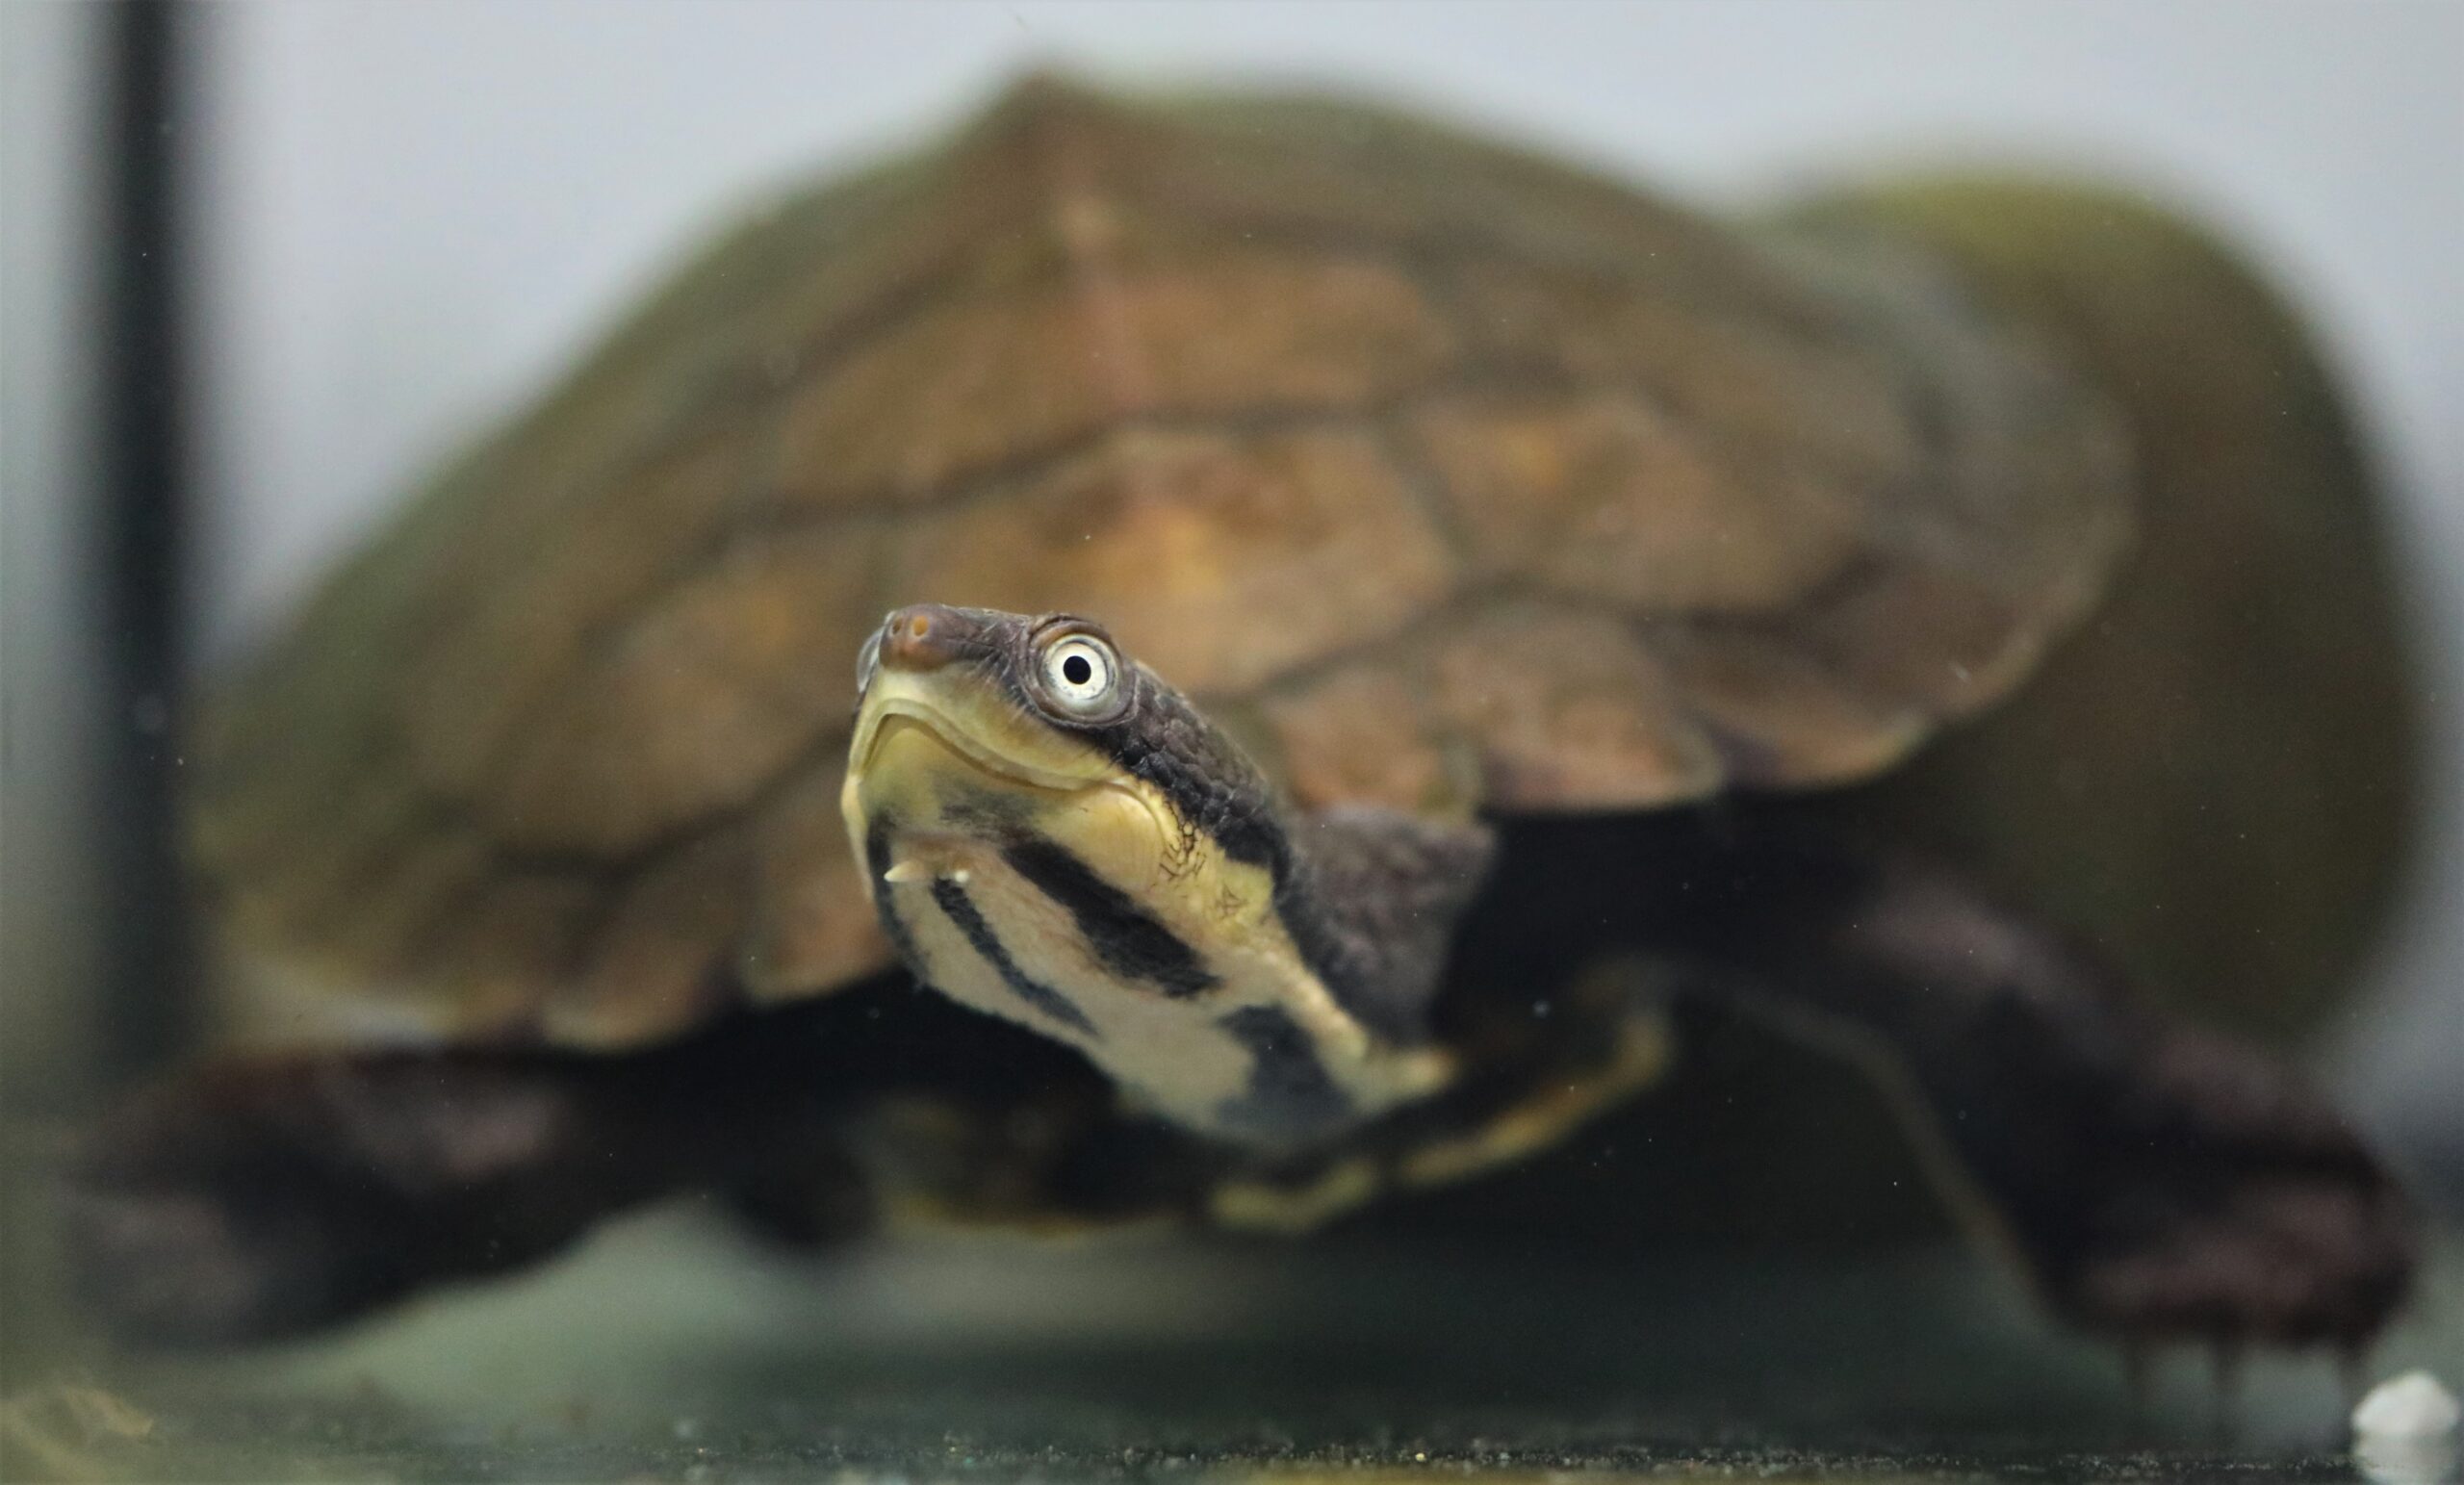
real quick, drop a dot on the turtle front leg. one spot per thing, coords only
(258, 1197)
(2155, 1179)
(261, 1197)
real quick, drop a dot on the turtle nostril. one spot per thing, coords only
(922, 637)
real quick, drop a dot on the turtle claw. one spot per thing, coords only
(164, 1263)
(2139, 1381)
(2212, 1200)
(188, 1220)
(2291, 1260)
(2224, 1358)
(261, 1198)
(2352, 1375)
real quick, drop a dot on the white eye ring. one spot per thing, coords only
(1080, 674)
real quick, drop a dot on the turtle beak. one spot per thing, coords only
(927, 636)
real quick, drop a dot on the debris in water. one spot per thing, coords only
(2411, 1406)
(2404, 1431)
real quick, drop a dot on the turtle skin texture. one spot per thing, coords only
(1444, 479)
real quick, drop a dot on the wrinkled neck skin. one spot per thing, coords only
(1121, 887)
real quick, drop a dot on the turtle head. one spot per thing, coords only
(976, 728)
(1055, 835)
(1017, 704)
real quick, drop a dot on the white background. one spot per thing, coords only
(414, 211)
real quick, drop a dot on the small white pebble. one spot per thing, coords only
(2411, 1406)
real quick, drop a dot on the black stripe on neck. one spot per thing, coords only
(961, 910)
(1125, 938)
(877, 859)
(1290, 1096)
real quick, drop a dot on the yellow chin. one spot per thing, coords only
(978, 721)
(942, 758)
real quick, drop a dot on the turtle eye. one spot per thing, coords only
(1081, 675)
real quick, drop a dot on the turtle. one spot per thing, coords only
(1379, 623)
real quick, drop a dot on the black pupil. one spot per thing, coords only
(1075, 670)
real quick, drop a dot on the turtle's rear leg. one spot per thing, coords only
(260, 1197)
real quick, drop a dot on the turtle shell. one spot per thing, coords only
(1445, 477)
